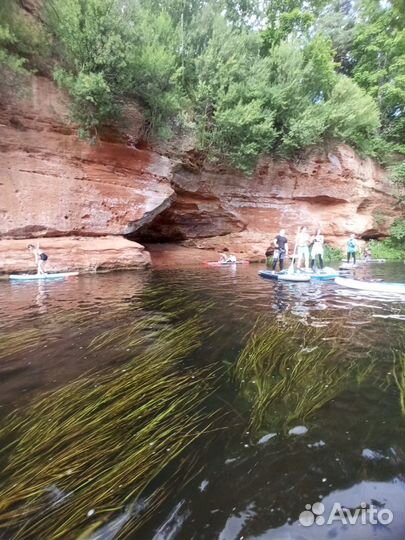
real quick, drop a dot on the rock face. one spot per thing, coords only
(54, 186)
(336, 190)
(75, 253)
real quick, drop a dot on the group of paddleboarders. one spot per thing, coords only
(40, 258)
(308, 250)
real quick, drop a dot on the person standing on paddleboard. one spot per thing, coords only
(317, 251)
(40, 258)
(352, 248)
(281, 245)
(302, 244)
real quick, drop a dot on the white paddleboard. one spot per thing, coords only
(294, 277)
(58, 275)
(376, 286)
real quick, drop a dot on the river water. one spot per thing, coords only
(249, 482)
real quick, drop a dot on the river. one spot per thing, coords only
(250, 479)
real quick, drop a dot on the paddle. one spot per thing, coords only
(291, 268)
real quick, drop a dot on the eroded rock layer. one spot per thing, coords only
(53, 185)
(75, 253)
(332, 189)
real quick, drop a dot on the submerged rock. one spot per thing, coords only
(298, 430)
(203, 486)
(372, 455)
(319, 444)
(266, 438)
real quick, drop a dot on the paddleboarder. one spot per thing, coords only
(317, 251)
(40, 258)
(302, 244)
(281, 245)
(352, 248)
(226, 257)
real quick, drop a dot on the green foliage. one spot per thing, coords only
(248, 78)
(111, 51)
(90, 41)
(8, 59)
(379, 63)
(233, 118)
(397, 173)
(393, 248)
(397, 232)
(286, 17)
(93, 102)
(352, 115)
(337, 23)
(154, 71)
(23, 44)
(332, 254)
(292, 98)
(386, 249)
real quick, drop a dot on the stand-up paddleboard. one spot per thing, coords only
(284, 276)
(366, 261)
(347, 266)
(218, 263)
(325, 274)
(299, 278)
(269, 274)
(375, 286)
(59, 275)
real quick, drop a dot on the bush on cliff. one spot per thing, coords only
(110, 51)
(247, 77)
(23, 43)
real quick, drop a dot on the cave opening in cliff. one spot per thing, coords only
(372, 234)
(161, 230)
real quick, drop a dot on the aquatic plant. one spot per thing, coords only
(287, 371)
(99, 442)
(49, 327)
(398, 372)
(19, 341)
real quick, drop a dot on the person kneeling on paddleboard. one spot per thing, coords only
(40, 258)
(226, 257)
(281, 245)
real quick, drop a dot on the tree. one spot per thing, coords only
(379, 64)
(110, 51)
(289, 17)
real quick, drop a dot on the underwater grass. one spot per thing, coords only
(100, 441)
(399, 377)
(19, 341)
(50, 326)
(288, 371)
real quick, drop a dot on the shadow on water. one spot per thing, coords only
(306, 390)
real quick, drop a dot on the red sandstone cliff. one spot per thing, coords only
(334, 189)
(54, 186)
